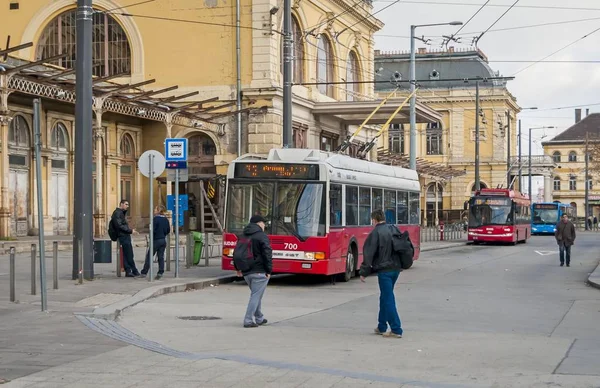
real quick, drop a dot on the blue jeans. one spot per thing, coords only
(258, 284)
(561, 249)
(387, 303)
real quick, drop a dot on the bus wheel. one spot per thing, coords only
(350, 260)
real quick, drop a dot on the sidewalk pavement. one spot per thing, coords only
(594, 278)
(31, 341)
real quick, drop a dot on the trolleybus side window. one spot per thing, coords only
(335, 205)
(377, 199)
(413, 205)
(351, 206)
(402, 207)
(390, 206)
(364, 202)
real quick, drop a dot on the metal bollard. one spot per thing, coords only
(189, 243)
(80, 262)
(118, 260)
(206, 252)
(55, 263)
(12, 274)
(168, 253)
(33, 254)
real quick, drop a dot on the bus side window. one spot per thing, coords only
(402, 205)
(351, 205)
(335, 205)
(364, 206)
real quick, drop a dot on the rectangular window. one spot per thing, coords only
(335, 205)
(351, 205)
(396, 139)
(126, 170)
(402, 207)
(556, 185)
(572, 184)
(59, 164)
(390, 206)
(328, 142)
(126, 191)
(414, 208)
(17, 160)
(434, 143)
(377, 199)
(365, 206)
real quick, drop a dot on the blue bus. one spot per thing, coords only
(545, 216)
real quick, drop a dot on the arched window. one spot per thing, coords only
(556, 183)
(325, 65)
(481, 186)
(127, 149)
(18, 132)
(58, 137)
(111, 52)
(556, 157)
(352, 76)
(572, 156)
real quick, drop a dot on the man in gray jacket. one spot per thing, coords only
(565, 237)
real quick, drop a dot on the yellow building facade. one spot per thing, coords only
(451, 141)
(159, 46)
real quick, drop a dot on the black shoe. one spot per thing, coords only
(142, 275)
(247, 325)
(561, 264)
(568, 265)
(130, 275)
(136, 273)
(264, 322)
(158, 276)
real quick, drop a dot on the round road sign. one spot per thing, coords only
(158, 163)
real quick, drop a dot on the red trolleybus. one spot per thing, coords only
(318, 207)
(499, 215)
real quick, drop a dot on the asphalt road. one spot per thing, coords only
(485, 316)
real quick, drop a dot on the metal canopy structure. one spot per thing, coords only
(424, 167)
(354, 112)
(56, 83)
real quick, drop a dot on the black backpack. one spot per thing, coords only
(112, 232)
(403, 247)
(243, 257)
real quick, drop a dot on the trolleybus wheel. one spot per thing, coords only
(350, 260)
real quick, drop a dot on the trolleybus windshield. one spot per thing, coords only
(490, 211)
(290, 208)
(545, 214)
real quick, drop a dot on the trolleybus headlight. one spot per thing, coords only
(314, 255)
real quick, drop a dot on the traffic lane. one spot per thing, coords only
(330, 325)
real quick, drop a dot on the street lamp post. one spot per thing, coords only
(519, 150)
(529, 162)
(413, 99)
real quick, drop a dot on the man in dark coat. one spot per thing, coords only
(565, 237)
(379, 257)
(259, 272)
(119, 221)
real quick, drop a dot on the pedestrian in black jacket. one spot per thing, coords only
(379, 257)
(124, 232)
(160, 231)
(258, 273)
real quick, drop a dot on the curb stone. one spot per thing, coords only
(113, 311)
(594, 278)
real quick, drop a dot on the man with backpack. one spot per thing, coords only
(252, 258)
(118, 229)
(386, 251)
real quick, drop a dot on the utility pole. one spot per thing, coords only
(83, 223)
(287, 73)
(508, 180)
(587, 183)
(520, 167)
(477, 185)
(413, 104)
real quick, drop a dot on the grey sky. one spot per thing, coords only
(545, 85)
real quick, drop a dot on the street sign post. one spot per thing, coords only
(183, 175)
(151, 164)
(176, 154)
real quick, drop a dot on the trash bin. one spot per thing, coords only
(198, 244)
(102, 251)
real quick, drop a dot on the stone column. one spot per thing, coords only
(100, 228)
(548, 187)
(5, 119)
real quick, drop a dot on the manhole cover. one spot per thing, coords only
(199, 318)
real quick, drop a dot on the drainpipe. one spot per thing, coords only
(238, 60)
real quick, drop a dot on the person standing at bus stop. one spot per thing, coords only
(378, 257)
(565, 237)
(124, 232)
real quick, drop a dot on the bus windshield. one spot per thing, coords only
(290, 208)
(545, 214)
(490, 211)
